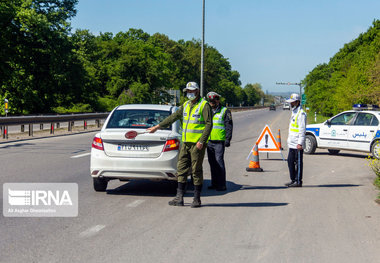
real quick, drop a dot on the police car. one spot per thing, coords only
(354, 130)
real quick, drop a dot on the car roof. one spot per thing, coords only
(144, 107)
(368, 111)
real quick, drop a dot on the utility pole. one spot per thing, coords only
(289, 83)
(203, 43)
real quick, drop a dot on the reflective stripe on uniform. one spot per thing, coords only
(218, 132)
(193, 121)
(295, 123)
(197, 122)
(194, 131)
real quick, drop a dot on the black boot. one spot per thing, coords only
(178, 199)
(197, 196)
(295, 184)
(291, 182)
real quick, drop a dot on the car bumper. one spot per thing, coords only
(163, 167)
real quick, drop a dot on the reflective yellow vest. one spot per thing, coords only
(294, 127)
(218, 132)
(193, 122)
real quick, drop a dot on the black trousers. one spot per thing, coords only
(215, 153)
(295, 164)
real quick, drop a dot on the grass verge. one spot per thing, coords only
(312, 119)
(374, 164)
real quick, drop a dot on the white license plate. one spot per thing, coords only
(132, 147)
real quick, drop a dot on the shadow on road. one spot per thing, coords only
(16, 145)
(248, 187)
(354, 155)
(145, 188)
(333, 185)
(262, 204)
(166, 188)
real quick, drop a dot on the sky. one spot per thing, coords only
(266, 41)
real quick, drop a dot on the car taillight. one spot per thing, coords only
(97, 143)
(172, 144)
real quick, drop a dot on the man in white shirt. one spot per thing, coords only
(296, 141)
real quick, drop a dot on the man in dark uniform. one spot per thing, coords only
(220, 138)
(296, 141)
(196, 116)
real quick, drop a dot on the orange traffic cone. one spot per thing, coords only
(254, 166)
(278, 140)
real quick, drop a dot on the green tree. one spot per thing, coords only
(254, 93)
(39, 70)
(351, 76)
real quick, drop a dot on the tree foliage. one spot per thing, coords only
(351, 76)
(254, 93)
(46, 68)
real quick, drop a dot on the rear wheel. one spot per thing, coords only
(100, 185)
(375, 150)
(310, 144)
(334, 152)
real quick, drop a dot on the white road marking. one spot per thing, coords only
(80, 155)
(135, 203)
(92, 231)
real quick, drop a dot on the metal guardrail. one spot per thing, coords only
(246, 108)
(54, 121)
(18, 120)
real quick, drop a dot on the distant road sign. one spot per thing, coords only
(303, 100)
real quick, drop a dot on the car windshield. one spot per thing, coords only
(137, 119)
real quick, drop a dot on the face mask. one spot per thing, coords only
(191, 96)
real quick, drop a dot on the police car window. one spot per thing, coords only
(374, 122)
(364, 119)
(343, 119)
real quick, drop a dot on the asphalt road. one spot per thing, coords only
(333, 218)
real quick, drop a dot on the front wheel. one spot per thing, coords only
(310, 144)
(375, 150)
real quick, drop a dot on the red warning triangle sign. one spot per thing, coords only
(267, 142)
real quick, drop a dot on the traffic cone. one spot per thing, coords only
(278, 140)
(254, 166)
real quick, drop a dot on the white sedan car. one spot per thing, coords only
(124, 150)
(350, 130)
(286, 106)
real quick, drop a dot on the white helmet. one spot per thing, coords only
(294, 97)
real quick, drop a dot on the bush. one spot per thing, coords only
(374, 164)
(77, 108)
(106, 104)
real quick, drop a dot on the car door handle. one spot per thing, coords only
(345, 130)
(372, 131)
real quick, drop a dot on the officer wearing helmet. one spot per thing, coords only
(220, 138)
(196, 116)
(296, 141)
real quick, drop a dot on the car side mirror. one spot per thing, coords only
(328, 122)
